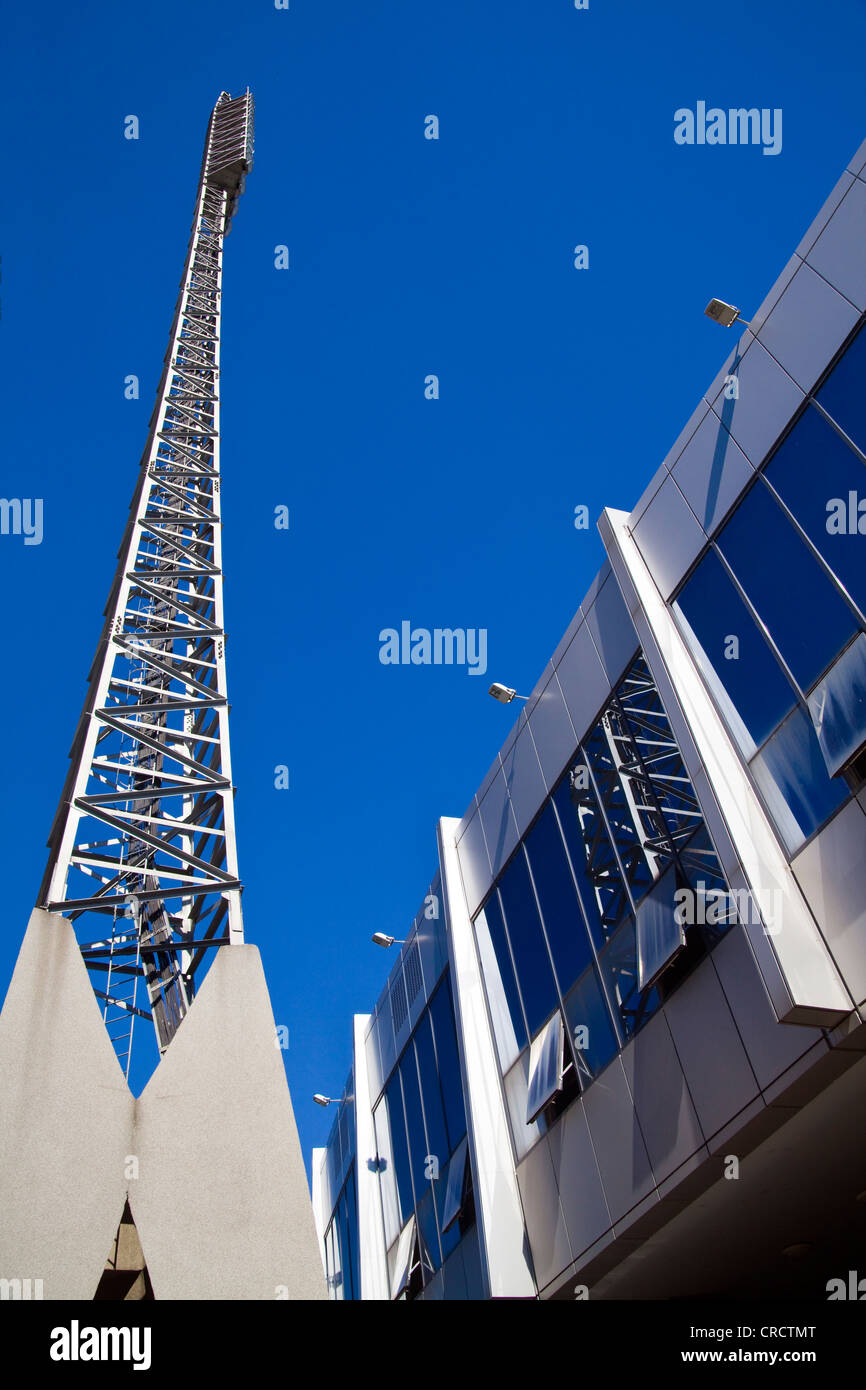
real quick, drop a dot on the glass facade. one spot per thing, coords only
(780, 597)
(420, 1124)
(614, 893)
(419, 1114)
(599, 885)
(342, 1269)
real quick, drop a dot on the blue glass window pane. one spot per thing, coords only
(803, 611)
(791, 772)
(442, 1017)
(335, 1161)
(437, 1136)
(560, 909)
(843, 395)
(499, 942)
(452, 1237)
(352, 1211)
(586, 834)
(399, 1146)
(809, 470)
(531, 960)
(753, 681)
(414, 1120)
(345, 1248)
(345, 1131)
(335, 1273)
(593, 1040)
(619, 966)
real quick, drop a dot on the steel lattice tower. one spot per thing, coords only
(142, 852)
(140, 905)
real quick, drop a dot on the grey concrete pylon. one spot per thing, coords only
(220, 1202)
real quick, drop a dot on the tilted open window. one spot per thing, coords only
(546, 1064)
(660, 935)
(838, 708)
(407, 1258)
(455, 1192)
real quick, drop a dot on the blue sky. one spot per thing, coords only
(408, 257)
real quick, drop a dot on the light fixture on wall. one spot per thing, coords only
(380, 939)
(504, 694)
(725, 314)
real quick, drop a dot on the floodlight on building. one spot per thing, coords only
(725, 314)
(380, 939)
(323, 1100)
(504, 694)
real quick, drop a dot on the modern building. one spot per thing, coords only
(621, 1054)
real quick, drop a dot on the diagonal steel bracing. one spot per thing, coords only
(142, 851)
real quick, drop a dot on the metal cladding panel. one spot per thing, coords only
(766, 400)
(821, 218)
(858, 161)
(581, 1194)
(623, 1161)
(552, 731)
(720, 1080)
(612, 631)
(669, 537)
(583, 681)
(697, 416)
(649, 492)
(474, 864)
(808, 325)
(664, 1107)
(838, 253)
(497, 818)
(523, 778)
(769, 302)
(545, 1222)
(831, 871)
(712, 470)
(771, 1046)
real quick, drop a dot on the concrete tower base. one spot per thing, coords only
(207, 1157)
